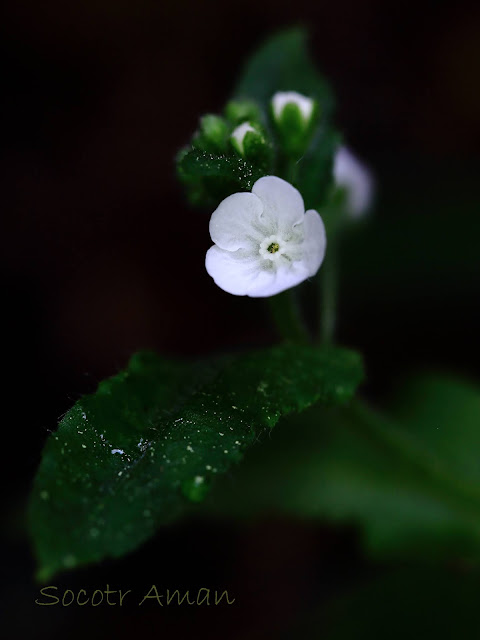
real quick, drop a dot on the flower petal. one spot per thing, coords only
(234, 223)
(243, 276)
(314, 243)
(356, 179)
(234, 272)
(282, 202)
(270, 283)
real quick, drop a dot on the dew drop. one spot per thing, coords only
(195, 489)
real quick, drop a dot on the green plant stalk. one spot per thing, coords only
(440, 482)
(287, 168)
(284, 307)
(287, 318)
(327, 294)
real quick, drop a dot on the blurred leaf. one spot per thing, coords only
(283, 64)
(129, 457)
(412, 487)
(315, 168)
(444, 414)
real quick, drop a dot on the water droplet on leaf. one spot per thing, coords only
(195, 489)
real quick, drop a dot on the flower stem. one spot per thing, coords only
(328, 295)
(288, 168)
(287, 318)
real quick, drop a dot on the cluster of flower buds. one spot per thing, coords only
(239, 131)
(243, 130)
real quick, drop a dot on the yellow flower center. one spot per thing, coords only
(273, 247)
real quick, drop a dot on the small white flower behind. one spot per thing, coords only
(350, 174)
(282, 98)
(265, 242)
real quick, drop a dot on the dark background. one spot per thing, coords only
(100, 255)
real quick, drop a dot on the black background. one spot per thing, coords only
(100, 256)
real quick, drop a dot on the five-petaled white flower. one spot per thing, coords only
(265, 242)
(350, 174)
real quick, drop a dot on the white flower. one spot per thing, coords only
(238, 136)
(350, 174)
(304, 104)
(265, 242)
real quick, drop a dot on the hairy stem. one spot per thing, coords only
(327, 295)
(287, 317)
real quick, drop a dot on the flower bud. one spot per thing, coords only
(282, 98)
(294, 117)
(238, 111)
(250, 143)
(213, 133)
(239, 134)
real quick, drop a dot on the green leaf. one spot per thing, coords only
(315, 169)
(411, 486)
(443, 413)
(283, 64)
(151, 439)
(210, 178)
(199, 164)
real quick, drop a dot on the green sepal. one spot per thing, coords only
(259, 151)
(256, 148)
(213, 134)
(294, 130)
(238, 111)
